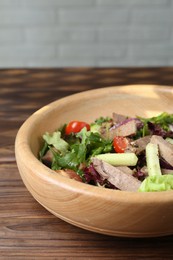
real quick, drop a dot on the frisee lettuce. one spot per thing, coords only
(164, 120)
(101, 120)
(80, 148)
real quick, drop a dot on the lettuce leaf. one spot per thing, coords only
(56, 141)
(164, 120)
(157, 183)
(158, 125)
(71, 160)
(79, 150)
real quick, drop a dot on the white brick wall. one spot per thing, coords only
(56, 33)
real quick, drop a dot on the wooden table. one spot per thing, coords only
(27, 230)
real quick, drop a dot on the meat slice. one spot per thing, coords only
(125, 169)
(122, 180)
(47, 158)
(69, 174)
(127, 128)
(118, 118)
(165, 148)
(166, 171)
(139, 145)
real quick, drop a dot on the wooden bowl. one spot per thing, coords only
(116, 213)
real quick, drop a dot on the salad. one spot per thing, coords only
(118, 152)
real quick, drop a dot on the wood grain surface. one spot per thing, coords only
(27, 230)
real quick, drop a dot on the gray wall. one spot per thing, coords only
(54, 33)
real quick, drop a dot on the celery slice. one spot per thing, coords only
(119, 159)
(152, 158)
(155, 180)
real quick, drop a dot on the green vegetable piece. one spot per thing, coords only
(95, 128)
(152, 159)
(43, 150)
(94, 143)
(101, 120)
(169, 140)
(69, 160)
(55, 140)
(164, 120)
(119, 159)
(157, 183)
(83, 135)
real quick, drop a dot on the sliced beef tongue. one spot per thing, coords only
(121, 179)
(69, 174)
(118, 118)
(165, 148)
(167, 171)
(139, 145)
(47, 158)
(126, 128)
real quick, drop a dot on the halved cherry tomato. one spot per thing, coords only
(120, 144)
(75, 127)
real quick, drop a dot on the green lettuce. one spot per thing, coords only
(155, 180)
(56, 141)
(163, 120)
(77, 149)
(157, 183)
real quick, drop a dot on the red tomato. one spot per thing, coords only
(120, 144)
(75, 127)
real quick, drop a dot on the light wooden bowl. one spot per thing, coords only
(117, 213)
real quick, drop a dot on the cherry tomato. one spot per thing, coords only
(75, 127)
(120, 144)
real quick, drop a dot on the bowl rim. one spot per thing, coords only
(22, 139)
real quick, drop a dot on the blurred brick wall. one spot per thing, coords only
(55, 33)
